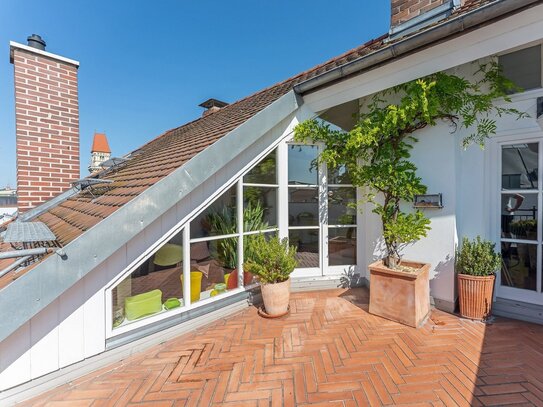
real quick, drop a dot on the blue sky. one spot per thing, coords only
(146, 65)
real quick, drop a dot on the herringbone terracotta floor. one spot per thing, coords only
(328, 351)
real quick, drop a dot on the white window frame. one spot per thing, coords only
(184, 226)
(507, 292)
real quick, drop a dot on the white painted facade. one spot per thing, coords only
(75, 326)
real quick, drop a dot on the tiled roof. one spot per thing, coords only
(162, 155)
(100, 144)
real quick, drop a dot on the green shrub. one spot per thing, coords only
(477, 257)
(272, 260)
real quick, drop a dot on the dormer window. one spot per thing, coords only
(523, 67)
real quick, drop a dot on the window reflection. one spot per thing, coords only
(307, 245)
(341, 209)
(341, 246)
(339, 175)
(302, 165)
(523, 67)
(259, 208)
(220, 218)
(519, 216)
(519, 166)
(303, 206)
(265, 172)
(519, 266)
(212, 263)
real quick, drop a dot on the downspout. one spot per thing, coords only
(441, 31)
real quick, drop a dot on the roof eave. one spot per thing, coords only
(439, 32)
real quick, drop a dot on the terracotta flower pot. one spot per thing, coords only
(276, 297)
(399, 295)
(475, 295)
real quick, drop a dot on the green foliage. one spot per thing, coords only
(477, 258)
(271, 260)
(377, 150)
(224, 222)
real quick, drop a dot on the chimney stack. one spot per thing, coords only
(211, 106)
(47, 122)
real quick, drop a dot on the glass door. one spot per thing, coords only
(520, 218)
(304, 207)
(321, 214)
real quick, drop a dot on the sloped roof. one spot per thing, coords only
(169, 151)
(100, 144)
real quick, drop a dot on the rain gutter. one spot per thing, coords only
(464, 22)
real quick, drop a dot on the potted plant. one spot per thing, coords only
(376, 153)
(476, 264)
(271, 261)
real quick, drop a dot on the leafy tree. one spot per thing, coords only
(376, 151)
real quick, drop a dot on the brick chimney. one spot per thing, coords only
(47, 122)
(411, 15)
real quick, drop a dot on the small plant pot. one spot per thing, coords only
(475, 296)
(276, 298)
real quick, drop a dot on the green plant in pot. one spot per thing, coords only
(377, 152)
(272, 261)
(476, 265)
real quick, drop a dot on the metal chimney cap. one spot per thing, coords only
(35, 41)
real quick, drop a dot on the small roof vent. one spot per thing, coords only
(212, 105)
(36, 41)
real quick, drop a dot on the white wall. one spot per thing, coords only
(468, 181)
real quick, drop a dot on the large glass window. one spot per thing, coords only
(158, 284)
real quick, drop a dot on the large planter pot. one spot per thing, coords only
(401, 296)
(276, 297)
(475, 295)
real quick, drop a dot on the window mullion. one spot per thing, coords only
(186, 265)
(240, 231)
